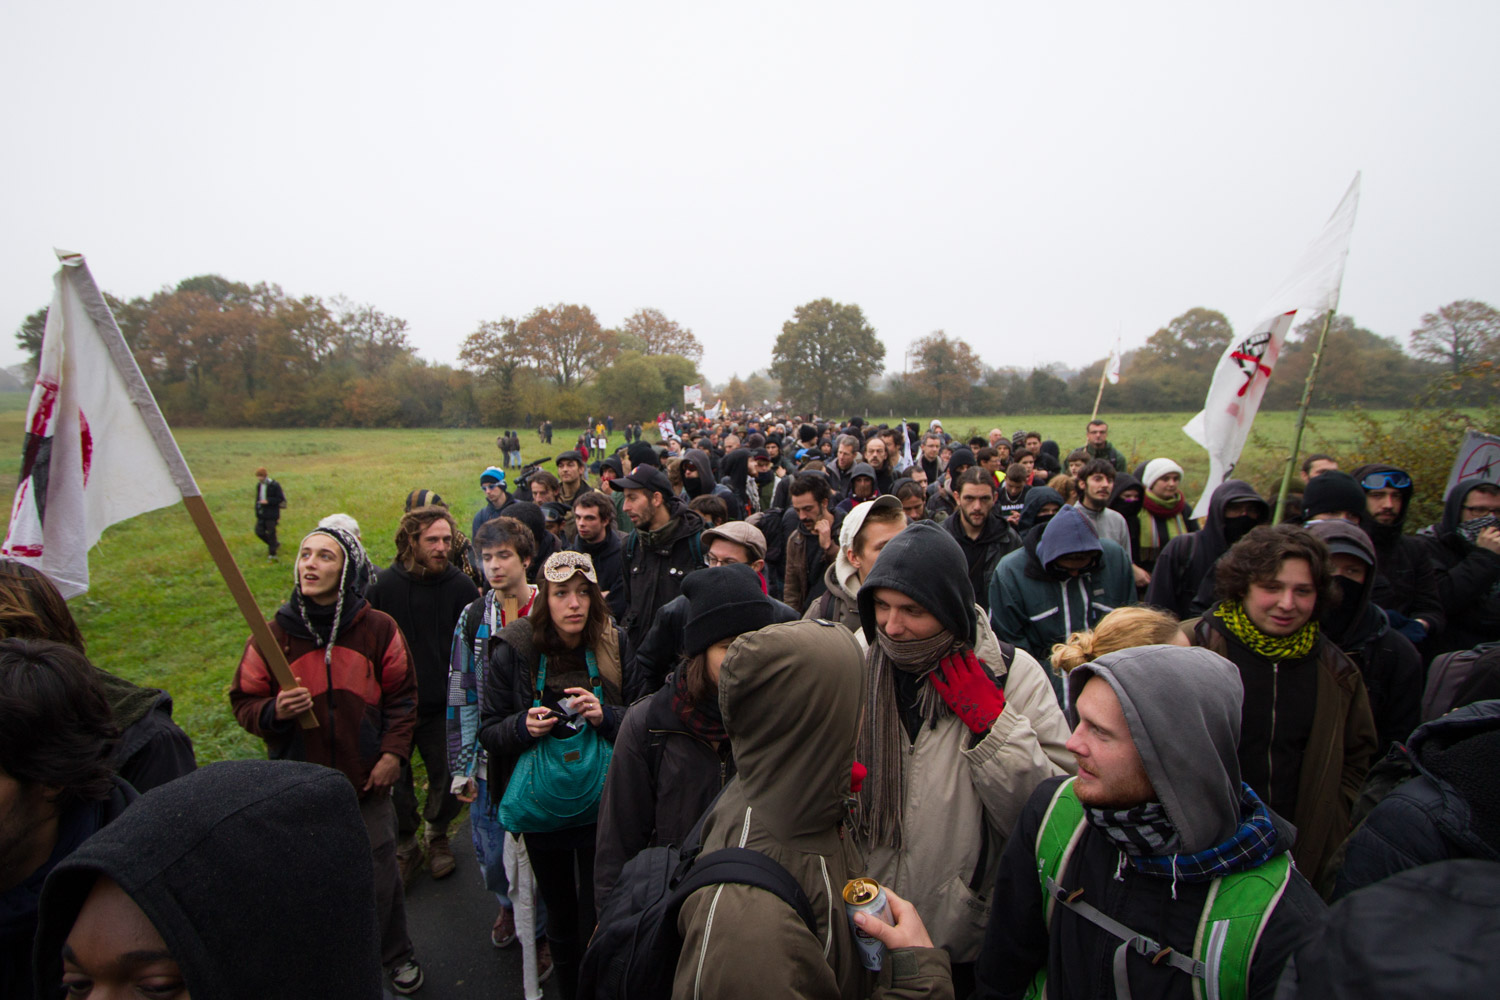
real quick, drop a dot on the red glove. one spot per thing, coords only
(969, 690)
(857, 775)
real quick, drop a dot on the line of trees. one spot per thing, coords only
(223, 353)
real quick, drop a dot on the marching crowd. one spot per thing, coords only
(1089, 740)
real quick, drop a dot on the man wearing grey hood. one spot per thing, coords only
(1165, 817)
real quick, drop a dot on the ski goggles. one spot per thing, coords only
(1386, 480)
(561, 566)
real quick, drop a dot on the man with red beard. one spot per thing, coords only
(425, 592)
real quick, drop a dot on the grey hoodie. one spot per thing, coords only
(1183, 708)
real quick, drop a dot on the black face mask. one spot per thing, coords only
(1337, 620)
(764, 477)
(1236, 528)
(692, 485)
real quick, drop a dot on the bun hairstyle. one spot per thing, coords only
(1123, 628)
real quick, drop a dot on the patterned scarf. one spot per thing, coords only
(1166, 522)
(1140, 831)
(1272, 647)
(702, 719)
(882, 742)
(1252, 844)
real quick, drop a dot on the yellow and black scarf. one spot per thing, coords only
(1272, 647)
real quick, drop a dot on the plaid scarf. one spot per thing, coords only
(1166, 522)
(882, 744)
(1140, 831)
(1273, 647)
(1252, 844)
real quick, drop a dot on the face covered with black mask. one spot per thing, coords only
(1340, 618)
(1239, 526)
(762, 478)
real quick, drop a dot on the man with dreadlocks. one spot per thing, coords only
(958, 731)
(355, 675)
(425, 591)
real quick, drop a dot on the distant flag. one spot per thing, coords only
(1112, 368)
(692, 395)
(1244, 370)
(906, 457)
(97, 449)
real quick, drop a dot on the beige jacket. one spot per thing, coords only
(961, 803)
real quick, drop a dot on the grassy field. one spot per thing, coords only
(158, 613)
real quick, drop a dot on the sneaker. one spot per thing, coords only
(440, 856)
(407, 977)
(543, 961)
(409, 858)
(503, 934)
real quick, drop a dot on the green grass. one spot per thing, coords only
(158, 613)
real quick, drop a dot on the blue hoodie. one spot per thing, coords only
(1036, 604)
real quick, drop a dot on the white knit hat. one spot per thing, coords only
(1158, 467)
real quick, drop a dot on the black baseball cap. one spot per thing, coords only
(645, 477)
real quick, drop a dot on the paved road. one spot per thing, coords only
(449, 923)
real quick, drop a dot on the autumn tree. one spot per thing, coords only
(650, 332)
(1173, 370)
(632, 384)
(1358, 367)
(946, 368)
(1458, 335)
(564, 342)
(826, 355)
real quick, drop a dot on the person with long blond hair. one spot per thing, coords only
(1122, 628)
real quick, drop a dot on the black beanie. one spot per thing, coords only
(1331, 493)
(531, 515)
(723, 602)
(642, 453)
(962, 457)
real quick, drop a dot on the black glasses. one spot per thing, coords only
(1386, 480)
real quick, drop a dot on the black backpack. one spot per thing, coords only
(633, 954)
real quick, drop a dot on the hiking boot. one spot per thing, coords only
(407, 977)
(409, 858)
(503, 934)
(543, 961)
(440, 857)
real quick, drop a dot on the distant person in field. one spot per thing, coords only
(1098, 445)
(1315, 465)
(355, 675)
(270, 501)
(425, 593)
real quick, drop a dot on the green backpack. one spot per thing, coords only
(1234, 914)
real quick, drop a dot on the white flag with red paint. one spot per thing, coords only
(1244, 371)
(1112, 367)
(90, 457)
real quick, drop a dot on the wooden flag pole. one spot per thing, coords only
(1100, 394)
(192, 497)
(1307, 389)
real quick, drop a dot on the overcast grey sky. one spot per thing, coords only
(1032, 178)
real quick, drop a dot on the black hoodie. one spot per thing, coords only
(996, 540)
(1468, 578)
(426, 608)
(705, 485)
(1129, 510)
(1182, 581)
(1405, 581)
(257, 875)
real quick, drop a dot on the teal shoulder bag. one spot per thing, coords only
(557, 782)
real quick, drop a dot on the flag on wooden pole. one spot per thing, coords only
(1244, 370)
(97, 450)
(1112, 368)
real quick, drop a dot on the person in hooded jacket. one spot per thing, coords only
(741, 481)
(425, 591)
(1465, 552)
(1307, 737)
(1424, 934)
(1063, 578)
(1035, 512)
(980, 531)
(958, 730)
(1182, 580)
(566, 647)
(664, 549)
(151, 749)
(141, 910)
(1049, 458)
(1406, 583)
(865, 532)
(365, 707)
(863, 487)
(1445, 806)
(1165, 814)
(672, 755)
(1127, 498)
(1390, 664)
(1166, 509)
(698, 480)
(794, 732)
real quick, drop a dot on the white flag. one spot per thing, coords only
(97, 450)
(907, 461)
(1239, 383)
(1112, 368)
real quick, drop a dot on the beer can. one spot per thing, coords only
(865, 895)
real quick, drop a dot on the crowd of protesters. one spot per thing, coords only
(1091, 741)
